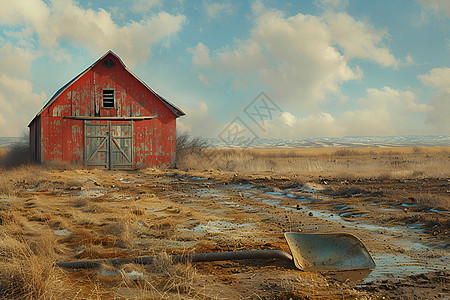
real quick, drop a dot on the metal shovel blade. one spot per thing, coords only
(328, 252)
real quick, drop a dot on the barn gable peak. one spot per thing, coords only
(108, 64)
(177, 111)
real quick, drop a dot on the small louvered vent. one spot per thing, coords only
(108, 98)
(108, 63)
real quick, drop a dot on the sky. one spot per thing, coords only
(278, 69)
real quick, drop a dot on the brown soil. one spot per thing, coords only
(104, 214)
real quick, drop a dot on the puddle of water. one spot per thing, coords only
(186, 177)
(209, 193)
(307, 189)
(409, 205)
(437, 211)
(354, 214)
(418, 247)
(173, 175)
(134, 275)
(197, 178)
(108, 273)
(239, 186)
(404, 205)
(126, 181)
(409, 180)
(62, 232)
(417, 227)
(271, 202)
(277, 193)
(396, 266)
(342, 208)
(228, 203)
(302, 188)
(165, 180)
(361, 215)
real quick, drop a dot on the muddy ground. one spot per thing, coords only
(178, 212)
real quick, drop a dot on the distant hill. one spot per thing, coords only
(7, 142)
(341, 142)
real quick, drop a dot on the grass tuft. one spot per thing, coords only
(27, 271)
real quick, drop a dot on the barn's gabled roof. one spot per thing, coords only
(178, 112)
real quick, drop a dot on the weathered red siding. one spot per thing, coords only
(54, 137)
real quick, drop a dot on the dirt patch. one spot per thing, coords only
(91, 214)
(434, 285)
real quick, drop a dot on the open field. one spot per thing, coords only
(395, 200)
(344, 162)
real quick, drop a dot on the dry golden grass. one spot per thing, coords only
(162, 279)
(26, 265)
(13, 181)
(96, 228)
(348, 163)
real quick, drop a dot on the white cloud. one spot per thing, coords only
(437, 6)
(248, 56)
(287, 125)
(198, 121)
(439, 112)
(388, 98)
(292, 55)
(215, 9)
(200, 55)
(297, 58)
(258, 7)
(409, 60)
(438, 77)
(15, 61)
(203, 79)
(18, 12)
(359, 39)
(382, 112)
(143, 6)
(18, 102)
(332, 4)
(65, 21)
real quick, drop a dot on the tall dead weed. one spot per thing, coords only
(27, 271)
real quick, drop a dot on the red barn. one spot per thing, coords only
(106, 117)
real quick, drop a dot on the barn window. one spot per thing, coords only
(108, 99)
(108, 63)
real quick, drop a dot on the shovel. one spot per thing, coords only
(310, 252)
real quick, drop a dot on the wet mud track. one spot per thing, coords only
(246, 215)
